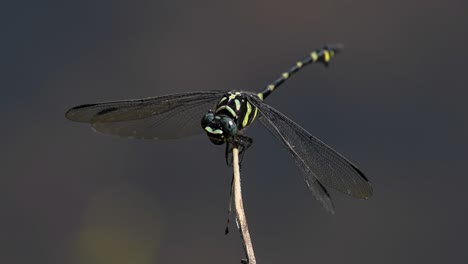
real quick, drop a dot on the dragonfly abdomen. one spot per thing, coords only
(322, 55)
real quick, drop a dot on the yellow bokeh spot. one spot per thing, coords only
(121, 225)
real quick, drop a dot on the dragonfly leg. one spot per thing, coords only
(244, 143)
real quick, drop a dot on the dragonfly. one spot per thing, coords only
(224, 116)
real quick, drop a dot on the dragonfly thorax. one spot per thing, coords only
(232, 113)
(219, 127)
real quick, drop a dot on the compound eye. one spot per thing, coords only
(229, 126)
(207, 119)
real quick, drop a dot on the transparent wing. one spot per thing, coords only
(164, 117)
(319, 163)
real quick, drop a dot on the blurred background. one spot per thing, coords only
(394, 102)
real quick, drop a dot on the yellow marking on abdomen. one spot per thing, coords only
(314, 56)
(326, 55)
(271, 87)
(299, 64)
(260, 95)
(285, 75)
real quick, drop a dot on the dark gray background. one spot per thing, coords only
(394, 102)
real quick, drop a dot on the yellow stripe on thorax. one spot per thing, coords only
(245, 122)
(238, 104)
(255, 114)
(233, 96)
(228, 108)
(222, 100)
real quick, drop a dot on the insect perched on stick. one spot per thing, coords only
(224, 115)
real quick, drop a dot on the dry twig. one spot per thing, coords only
(241, 220)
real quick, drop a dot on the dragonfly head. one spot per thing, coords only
(218, 127)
